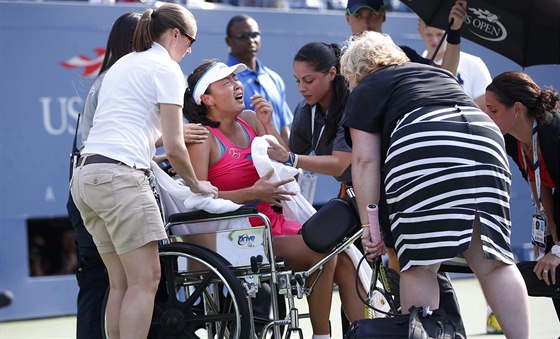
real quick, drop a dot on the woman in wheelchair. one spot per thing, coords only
(214, 98)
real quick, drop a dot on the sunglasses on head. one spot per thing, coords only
(248, 35)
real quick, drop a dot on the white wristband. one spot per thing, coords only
(555, 250)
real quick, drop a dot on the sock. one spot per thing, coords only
(321, 336)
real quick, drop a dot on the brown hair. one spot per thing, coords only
(512, 87)
(154, 23)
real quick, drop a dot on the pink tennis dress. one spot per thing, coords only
(235, 170)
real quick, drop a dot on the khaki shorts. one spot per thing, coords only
(118, 206)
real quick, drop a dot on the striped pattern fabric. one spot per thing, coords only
(444, 165)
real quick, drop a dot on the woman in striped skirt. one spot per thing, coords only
(445, 173)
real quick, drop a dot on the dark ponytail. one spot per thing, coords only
(547, 104)
(120, 39)
(321, 57)
(512, 87)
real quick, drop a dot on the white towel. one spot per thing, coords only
(178, 198)
(297, 208)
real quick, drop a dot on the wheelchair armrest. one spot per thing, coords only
(202, 215)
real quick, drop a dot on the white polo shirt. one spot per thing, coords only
(127, 122)
(472, 74)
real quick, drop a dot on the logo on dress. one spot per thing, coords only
(234, 153)
(486, 25)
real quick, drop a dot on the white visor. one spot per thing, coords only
(216, 72)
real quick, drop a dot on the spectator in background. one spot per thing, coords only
(472, 73)
(39, 263)
(244, 40)
(66, 258)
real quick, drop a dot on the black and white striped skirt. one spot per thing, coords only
(445, 165)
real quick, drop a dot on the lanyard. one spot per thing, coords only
(313, 128)
(535, 166)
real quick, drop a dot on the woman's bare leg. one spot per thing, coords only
(503, 288)
(299, 258)
(142, 269)
(419, 287)
(345, 278)
(117, 284)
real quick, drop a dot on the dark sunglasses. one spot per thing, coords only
(191, 39)
(245, 36)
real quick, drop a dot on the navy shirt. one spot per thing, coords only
(301, 141)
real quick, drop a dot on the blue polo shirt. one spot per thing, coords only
(270, 85)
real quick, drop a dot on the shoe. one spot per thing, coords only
(492, 325)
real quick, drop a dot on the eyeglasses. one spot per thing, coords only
(191, 39)
(246, 36)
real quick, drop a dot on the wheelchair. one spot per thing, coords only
(208, 280)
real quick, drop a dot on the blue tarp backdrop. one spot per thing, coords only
(40, 99)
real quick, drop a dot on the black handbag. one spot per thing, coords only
(536, 287)
(390, 327)
(330, 225)
(415, 325)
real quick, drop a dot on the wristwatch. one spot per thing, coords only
(555, 250)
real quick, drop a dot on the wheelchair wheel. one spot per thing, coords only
(198, 297)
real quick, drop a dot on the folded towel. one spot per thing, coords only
(176, 197)
(297, 208)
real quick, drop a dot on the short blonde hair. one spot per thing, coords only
(368, 52)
